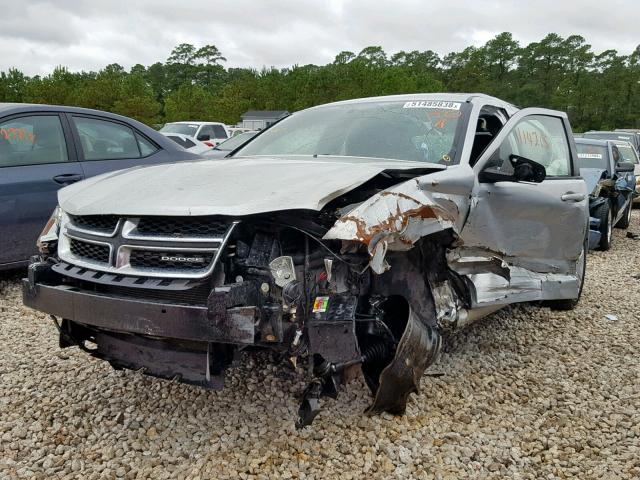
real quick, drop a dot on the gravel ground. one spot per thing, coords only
(526, 393)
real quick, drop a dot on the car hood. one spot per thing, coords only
(591, 177)
(238, 186)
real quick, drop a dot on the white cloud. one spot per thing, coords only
(37, 35)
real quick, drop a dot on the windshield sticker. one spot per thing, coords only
(590, 155)
(440, 118)
(433, 104)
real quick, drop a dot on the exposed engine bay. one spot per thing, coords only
(275, 283)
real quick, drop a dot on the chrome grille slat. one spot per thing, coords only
(101, 225)
(142, 255)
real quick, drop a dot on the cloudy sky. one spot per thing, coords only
(37, 35)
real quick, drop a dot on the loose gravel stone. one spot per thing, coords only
(527, 393)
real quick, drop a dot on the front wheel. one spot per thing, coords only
(626, 217)
(603, 213)
(581, 269)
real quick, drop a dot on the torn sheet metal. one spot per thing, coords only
(394, 220)
(497, 281)
(418, 348)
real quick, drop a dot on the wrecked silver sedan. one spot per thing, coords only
(355, 235)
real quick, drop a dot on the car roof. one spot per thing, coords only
(197, 122)
(447, 97)
(10, 108)
(593, 141)
(609, 132)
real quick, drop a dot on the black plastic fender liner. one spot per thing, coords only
(418, 348)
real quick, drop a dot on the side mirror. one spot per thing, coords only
(526, 170)
(625, 167)
(204, 137)
(523, 170)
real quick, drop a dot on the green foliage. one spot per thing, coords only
(598, 90)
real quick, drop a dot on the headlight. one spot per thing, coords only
(49, 234)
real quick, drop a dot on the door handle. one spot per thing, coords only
(67, 178)
(573, 197)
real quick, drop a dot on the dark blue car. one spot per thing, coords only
(611, 185)
(43, 148)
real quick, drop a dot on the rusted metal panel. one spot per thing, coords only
(394, 220)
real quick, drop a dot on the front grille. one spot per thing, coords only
(98, 223)
(196, 227)
(194, 296)
(170, 260)
(149, 247)
(89, 251)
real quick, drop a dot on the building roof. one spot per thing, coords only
(264, 114)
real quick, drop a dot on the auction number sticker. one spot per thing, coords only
(590, 155)
(433, 104)
(320, 304)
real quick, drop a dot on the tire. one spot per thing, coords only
(625, 220)
(603, 213)
(570, 303)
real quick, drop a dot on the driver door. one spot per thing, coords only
(536, 229)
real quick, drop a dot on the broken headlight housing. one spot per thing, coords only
(49, 236)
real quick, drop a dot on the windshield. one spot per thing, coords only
(421, 130)
(592, 156)
(628, 153)
(183, 128)
(235, 141)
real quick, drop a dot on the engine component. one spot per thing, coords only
(283, 270)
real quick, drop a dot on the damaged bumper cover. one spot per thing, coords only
(166, 340)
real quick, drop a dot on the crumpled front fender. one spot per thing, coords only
(396, 218)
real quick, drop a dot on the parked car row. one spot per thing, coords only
(610, 165)
(210, 133)
(353, 234)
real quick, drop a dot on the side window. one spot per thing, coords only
(218, 131)
(105, 140)
(490, 121)
(205, 131)
(146, 147)
(615, 154)
(539, 138)
(33, 140)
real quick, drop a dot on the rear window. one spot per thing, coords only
(105, 140)
(627, 152)
(183, 142)
(219, 131)
(592, 156)
(183, 128)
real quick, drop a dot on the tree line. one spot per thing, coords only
(597, 90)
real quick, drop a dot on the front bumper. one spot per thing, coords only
(191, 343)
(141, 317)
